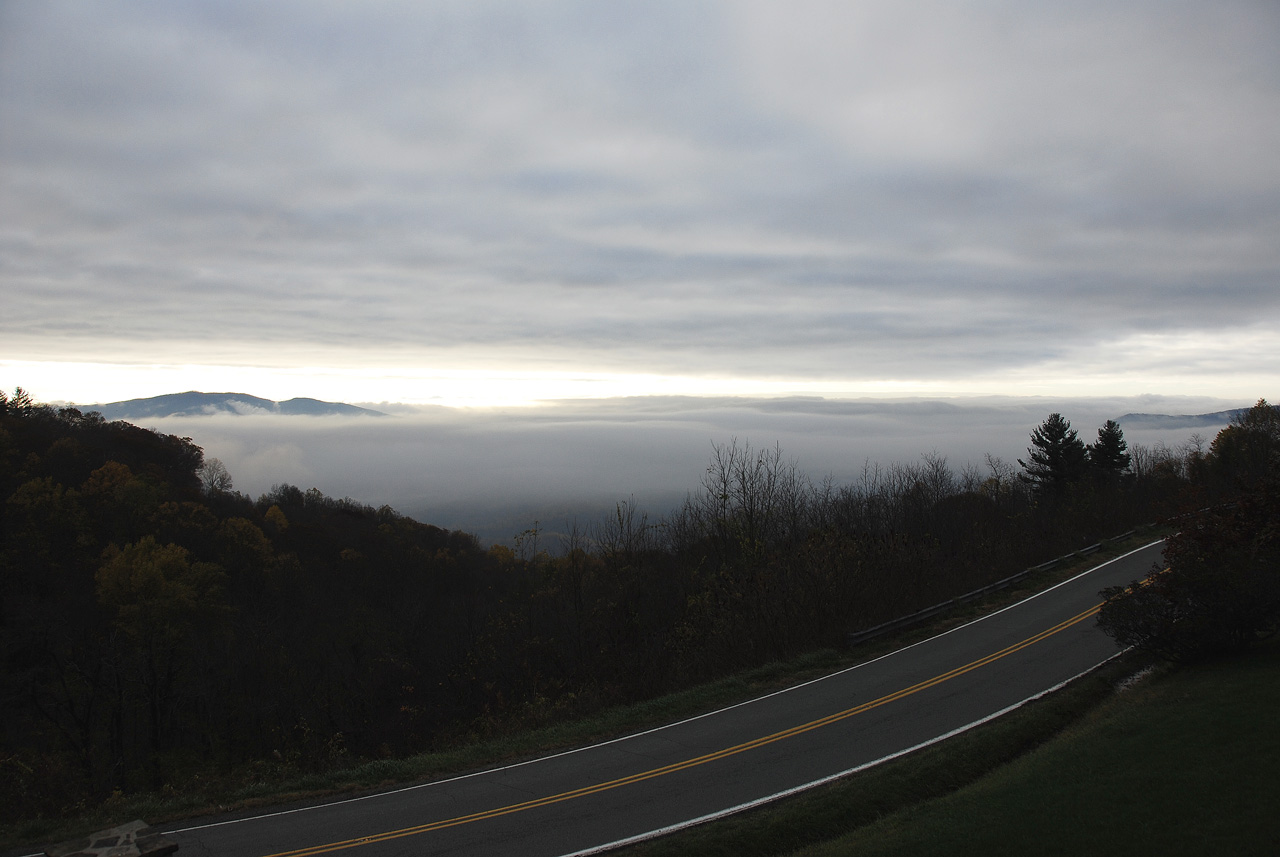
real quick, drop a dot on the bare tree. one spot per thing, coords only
(214, 478)
(1002, 479)
(624, 536)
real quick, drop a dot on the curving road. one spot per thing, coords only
(583, 801)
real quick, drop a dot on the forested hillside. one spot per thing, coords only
(155, 624)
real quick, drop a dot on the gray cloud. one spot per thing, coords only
(825, 191)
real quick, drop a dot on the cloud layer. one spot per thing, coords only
(496, 472)
(976, 196)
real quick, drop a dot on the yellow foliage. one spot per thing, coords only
(107, 478)
(275, 517)
(153, 586)
(502, 554)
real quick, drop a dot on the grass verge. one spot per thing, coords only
(861, 799)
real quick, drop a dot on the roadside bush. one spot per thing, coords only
(1219, 591)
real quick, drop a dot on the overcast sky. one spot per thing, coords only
(471, 202)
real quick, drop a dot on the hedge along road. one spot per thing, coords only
(631, 788)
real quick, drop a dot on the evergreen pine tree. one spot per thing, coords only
(1056, 456)
(1108, 456)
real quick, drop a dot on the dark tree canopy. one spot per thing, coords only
(1056, 456)
(1249, 448)
(1218, 592)
(1108, 455)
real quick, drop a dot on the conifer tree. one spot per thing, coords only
(1108, 455)
(1055, 458)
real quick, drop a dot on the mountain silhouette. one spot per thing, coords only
(197, 404)
(1179, 421)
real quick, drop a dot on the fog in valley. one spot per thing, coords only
(494, 472)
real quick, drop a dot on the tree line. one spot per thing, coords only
(155, 623)
(1218, 589)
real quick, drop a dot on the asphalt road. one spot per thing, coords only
(581, 801)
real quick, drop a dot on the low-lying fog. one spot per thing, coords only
(495, 472)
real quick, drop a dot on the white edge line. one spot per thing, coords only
(627, 737)
(742, 807)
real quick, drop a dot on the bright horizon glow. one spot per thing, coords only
(84, 383)
(87, 383)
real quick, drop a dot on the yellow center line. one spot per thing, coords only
(699, 760)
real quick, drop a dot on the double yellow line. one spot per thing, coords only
(691, 763)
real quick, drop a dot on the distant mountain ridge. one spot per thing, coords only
(1171, 421)
(196, 404)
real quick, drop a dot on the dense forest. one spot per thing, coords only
(154, 622)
